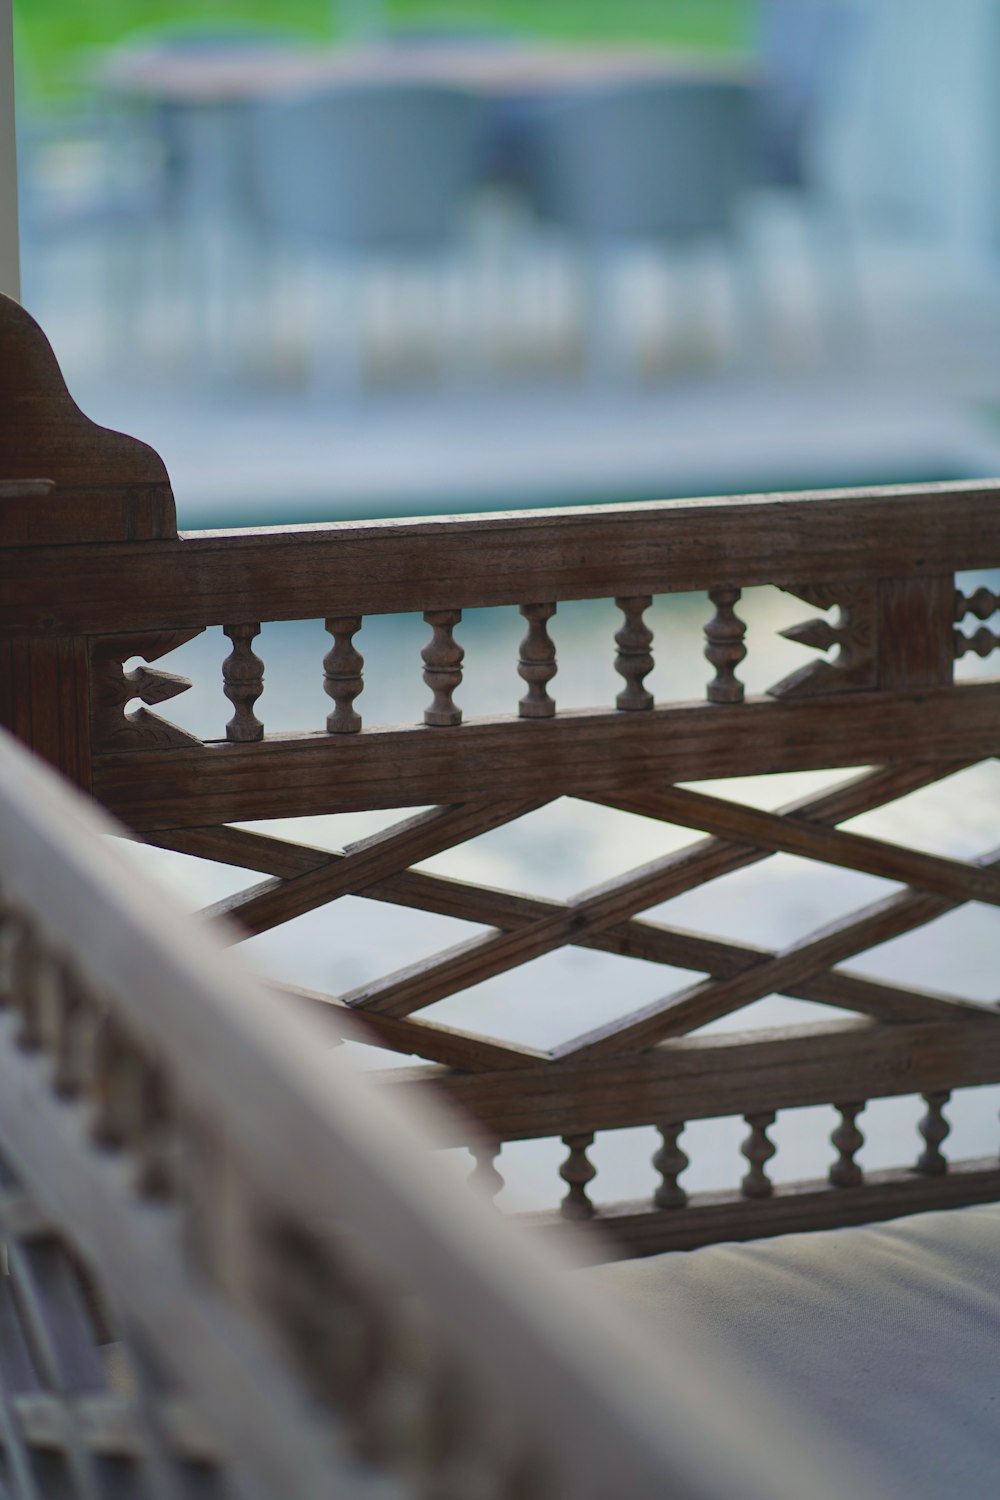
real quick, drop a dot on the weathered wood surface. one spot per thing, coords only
(359, 568)
(737, 1073)
(107, 487)
(573, 753)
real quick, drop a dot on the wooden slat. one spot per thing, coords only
(703, 1077)
(779, 833)
(573, 753)
(811, 956)
(357, 568)
(427, 1039)
(637, 1229)
(276, 901)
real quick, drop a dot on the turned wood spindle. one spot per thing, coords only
(77, 1018)
(343, 674)
(27, 963)
(155, 1141)
(724, 647)
(537, 663)
(484, 1175)
(758, 1151)
(634, 661)
(848, 1140)
(982, 603)
(243, 683)
(577, 1170)
(442, 658)
(116, 1080)
(670, 1161)
(935, 1130)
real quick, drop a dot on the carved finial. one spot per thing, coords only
(112, 688)
(725, 649)
(442, 657)
(935, 1129)
(670, 1161)
(537, 664)
(343, 674)
(855, 633)
(634, 660)
(243, 683)
(577, 1170)
(848, 1140)
(484, 1175)
(758, 1151)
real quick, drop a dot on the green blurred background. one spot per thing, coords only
(50, 33)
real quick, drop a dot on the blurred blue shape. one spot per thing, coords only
(664, 159)
(369, 167)
(359, 174)
(802, 49)
(660, 162)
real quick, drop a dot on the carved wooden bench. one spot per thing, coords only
(95, 575)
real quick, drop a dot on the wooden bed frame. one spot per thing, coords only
(93, 574)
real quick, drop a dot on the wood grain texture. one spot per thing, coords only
(359, 568)
(915, 640)
(573, 753)
(44, 701)
(276, 901)
(786, 834)
(107, 487)
(737, 1073)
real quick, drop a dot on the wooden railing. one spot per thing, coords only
(76, 606)
(312, 1305)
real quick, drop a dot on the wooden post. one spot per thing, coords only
(63, 479)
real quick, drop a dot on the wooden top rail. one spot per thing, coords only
(308, 1201)
(357, 568)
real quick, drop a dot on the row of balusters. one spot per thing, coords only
(343, 665)
(670, 1160)
(408, 1405)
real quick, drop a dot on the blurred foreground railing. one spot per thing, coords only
(93, 575)
(326, 1312)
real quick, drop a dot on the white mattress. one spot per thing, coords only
(888, 1335)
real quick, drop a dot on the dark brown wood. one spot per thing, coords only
(276, 901)
(634, 660)
(854, 633)
(571, 753)
(708, 1076)
(448, 1045)
(725, 649)
(853, 851)
(634, 1229)
(112, 688)
(537, 662)
(357, 568)
(243, 683)
(107, 487)
(915, 640)
(45, 701)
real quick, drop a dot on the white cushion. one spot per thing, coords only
(889, 1335)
